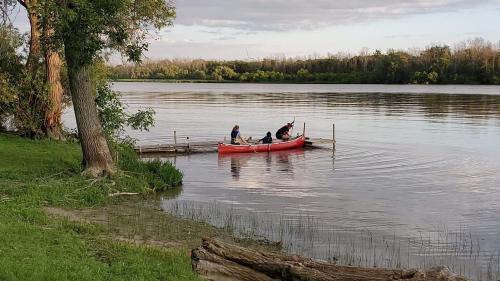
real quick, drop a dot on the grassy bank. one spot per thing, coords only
(36, 245)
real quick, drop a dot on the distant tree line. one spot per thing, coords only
(472, 62)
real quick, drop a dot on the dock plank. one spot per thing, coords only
(207, 147)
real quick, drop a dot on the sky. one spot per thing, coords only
(244, 29)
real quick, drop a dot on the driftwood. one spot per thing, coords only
(122, 193)
(219, 261)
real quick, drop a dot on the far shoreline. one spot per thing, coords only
(195, 81)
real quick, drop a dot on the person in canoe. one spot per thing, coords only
(236, 137)
(267, 139)
(284, 132)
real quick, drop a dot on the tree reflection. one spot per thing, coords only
(433, 105)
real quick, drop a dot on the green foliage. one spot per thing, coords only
(23, 95)
(10, 71)
(31, 103)
(112, 112)
(262, 76)
(142, 120)
(433, 77)
(8, 97)
(303, 74)
(159, 176)
(425, 78)
(473, 62)
(199, 74)
(86, 27)
(10, 61)
(110, 109)
(223, 73)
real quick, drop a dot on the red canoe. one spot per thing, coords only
(291, 144)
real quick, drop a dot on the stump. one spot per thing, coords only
(219, 261)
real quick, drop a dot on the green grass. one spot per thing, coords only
(157, 175)
(34, 246)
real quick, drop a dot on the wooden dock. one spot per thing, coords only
(189, 147)
(211, 146)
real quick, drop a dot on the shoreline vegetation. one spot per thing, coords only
(64, 226)
(475, 62)
(194, 81)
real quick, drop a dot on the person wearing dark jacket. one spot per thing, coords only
(284, 132)
(267, 139)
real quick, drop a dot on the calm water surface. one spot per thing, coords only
(417, 164)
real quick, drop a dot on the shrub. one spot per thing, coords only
(223, 73)
(22, 94)
(159, 175)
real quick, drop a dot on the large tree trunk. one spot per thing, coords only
(52, 123)
(34, 54)
(95, 148)
(53, 112)
(219, 261)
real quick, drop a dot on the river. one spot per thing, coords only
(414, 179)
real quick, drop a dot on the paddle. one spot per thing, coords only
(291, 131)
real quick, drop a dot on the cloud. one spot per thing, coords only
(225, 38)
(207, 50)
(299, 14)
(398, 36)
(472, 33)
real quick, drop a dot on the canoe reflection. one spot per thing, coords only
(280, 161)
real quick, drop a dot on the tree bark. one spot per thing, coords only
(216, 260)
(96, 153)
(52, 122)
(34, 19)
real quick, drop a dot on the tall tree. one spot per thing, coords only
(87, 28)
(53, 110)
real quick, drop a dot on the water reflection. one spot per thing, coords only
(235, 167)
(431, 105)
(281, 161)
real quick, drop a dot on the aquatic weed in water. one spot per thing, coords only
(305, 235)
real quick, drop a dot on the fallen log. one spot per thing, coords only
(219, 261)
(122, 193)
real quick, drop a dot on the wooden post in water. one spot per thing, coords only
(333, 135)
(175, 141)
(304, 130)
